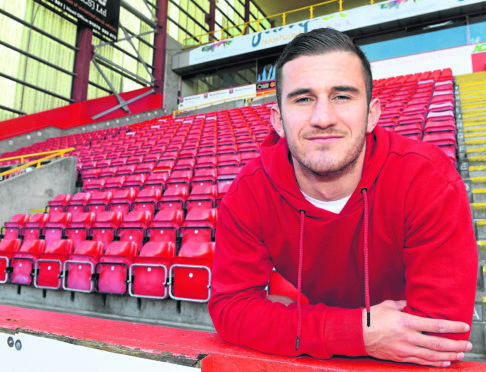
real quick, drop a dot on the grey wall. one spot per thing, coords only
(172, 80)
(32, 190)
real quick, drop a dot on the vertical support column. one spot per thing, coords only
(247, 11)
(82, 62)
(160, 46)
(211, 19)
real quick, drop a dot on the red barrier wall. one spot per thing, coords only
(172, 345)
(77, 114)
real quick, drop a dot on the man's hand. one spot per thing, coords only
(282, 299)
(394, 335)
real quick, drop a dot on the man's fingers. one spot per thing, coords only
(443, 344)
(425, 356)
(426, 362)
(438, 325)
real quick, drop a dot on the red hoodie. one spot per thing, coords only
(420, 239)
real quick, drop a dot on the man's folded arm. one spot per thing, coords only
(440, 254)
(243, 315)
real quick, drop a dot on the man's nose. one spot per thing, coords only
(323, 114)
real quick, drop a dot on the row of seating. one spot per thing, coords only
(154, 271)
(138, 226)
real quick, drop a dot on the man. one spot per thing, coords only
(374, 229)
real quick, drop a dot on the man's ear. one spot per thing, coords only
(373, 115)
(276, 120)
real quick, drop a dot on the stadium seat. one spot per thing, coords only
(176, 192)
(50, 263)
(78, 229)
(150, 269)
(133, 227)
(58, 204)
(78, 201)
(169, 214)
(122, 199)
(7, 248)
(13, 228)
(191, 271)
(22, 262)
(147, 199)
(79, 268)
(98, 201)
(113, 267)
(105, 226)
(33, 228)
(55, 226)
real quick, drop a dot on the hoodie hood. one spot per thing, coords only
(282, 177)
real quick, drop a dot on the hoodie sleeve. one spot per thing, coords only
(439, 254)
(240, 311)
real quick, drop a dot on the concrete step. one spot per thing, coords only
(476, 129)
(479, 195)
(474, 143)
(480, 229)
(472, 96)
(479, 212)
(478, 136)
(473, 104)
(475, 159)
(473, 122)
(478, 182)
(475, 151)
(477, 171)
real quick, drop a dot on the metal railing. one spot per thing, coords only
(37, 163)
(276, 20)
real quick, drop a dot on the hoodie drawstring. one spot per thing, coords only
(299, 279)
(364, 191)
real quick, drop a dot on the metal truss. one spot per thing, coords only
(123, 104)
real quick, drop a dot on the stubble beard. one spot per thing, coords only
(325, 168)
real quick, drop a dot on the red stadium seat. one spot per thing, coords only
(105, 226)
(7, 248)
(22, 261)
(49, 265)
(113, 267)
(133, 226)
(33, 227)
(78, 229)
(58, 204)
(150, 270)
(13, 228)
(79, 268)
(191, 272)
(55, 226)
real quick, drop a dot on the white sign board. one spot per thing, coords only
(391, 10)
(218, 96)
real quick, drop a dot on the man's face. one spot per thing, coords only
(324, 113)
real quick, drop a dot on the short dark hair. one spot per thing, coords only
(322, 41)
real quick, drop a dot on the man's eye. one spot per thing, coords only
(302, 100)
(341, 98)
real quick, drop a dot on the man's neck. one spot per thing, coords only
(334, 187)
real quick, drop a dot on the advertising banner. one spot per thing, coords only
(218, 96)
(100, 15)
(391, 10)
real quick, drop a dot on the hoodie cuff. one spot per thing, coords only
(344, 332)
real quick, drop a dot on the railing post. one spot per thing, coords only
(311, 12)
(340, 5)
(284, 16)
(258, 25)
